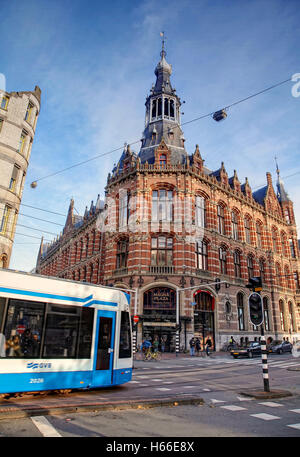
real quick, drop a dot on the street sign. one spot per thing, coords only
(136, 319)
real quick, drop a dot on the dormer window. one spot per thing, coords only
(162, 160)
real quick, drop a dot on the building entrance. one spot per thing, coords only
(159, 317)
(204, 322)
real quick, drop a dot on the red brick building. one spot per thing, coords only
(170, 223)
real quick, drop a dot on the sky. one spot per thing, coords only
(94, 62)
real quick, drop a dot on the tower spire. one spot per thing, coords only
(163, 52)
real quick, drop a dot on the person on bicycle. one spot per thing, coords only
(146, 344)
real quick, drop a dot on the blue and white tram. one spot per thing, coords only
(57, 334)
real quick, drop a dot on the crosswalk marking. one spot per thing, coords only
(233, 407)
(44, 426)
(296, 426)
(270, 403)
(265, 417)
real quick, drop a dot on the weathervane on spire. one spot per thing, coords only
(163, 52)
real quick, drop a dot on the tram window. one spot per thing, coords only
(23, 328)
(125, 336)
(61, 332)
(2, 308)
(85, 334)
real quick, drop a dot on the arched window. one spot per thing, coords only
(223, 260)
(201, 255)
(247, 225)
(281, 315)
(266, 314)
(162, 205)
(274, 239)
(221, 219)
(122, 254)
(237, 263)
(292, 248)
(262, 269)
(160, 300)
(259, 234)
(162, 251)
(200, 211)
(278, 274)
(91, 272)
(240, 310)
(123, 209)
(234, 225)
(291, 317)
(283, 243)
(250, 266)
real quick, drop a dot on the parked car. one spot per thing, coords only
(280, 346)
(252, 348)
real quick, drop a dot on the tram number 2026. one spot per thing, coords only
(36, 380)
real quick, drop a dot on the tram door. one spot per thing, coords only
(104, 348)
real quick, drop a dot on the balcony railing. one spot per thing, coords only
(120, 271)
(161, 270)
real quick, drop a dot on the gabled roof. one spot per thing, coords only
(260, 194)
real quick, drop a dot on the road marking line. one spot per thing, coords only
(206, 390)
(233, 407)
(162, 388)
(168, 382)
(44, 426)
(296, 426)
(134, 382)
(244, 399)
(265, 417)
(213, 400)
(295, 410)
(270, 403)
(190, 387)
(157, 380)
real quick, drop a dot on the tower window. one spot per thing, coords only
(153, 112)
(28, 112)
(159, 107)
(172, 110)
(13, 179)
(5, 218)
(4, 102)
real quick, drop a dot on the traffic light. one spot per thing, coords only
(256, 309)
(255, 284)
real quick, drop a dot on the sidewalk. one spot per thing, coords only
(172, 355)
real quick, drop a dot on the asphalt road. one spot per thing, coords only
(219, 381)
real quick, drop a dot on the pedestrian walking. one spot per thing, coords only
(198, 346)
(192, 346)
(208, 345)
(155, 345)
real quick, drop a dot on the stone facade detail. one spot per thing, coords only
(19, 112)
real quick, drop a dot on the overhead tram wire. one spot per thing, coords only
(34, 183)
